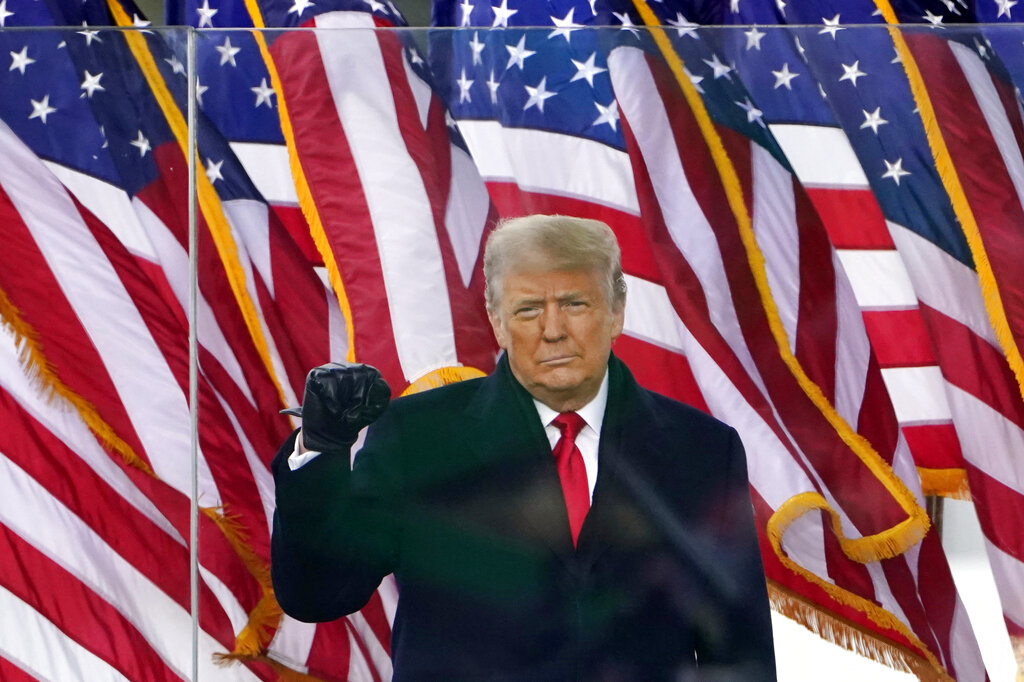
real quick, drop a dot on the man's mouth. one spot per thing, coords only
(558, 360)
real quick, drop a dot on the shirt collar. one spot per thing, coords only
(592, 412)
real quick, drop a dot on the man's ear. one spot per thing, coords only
(499, 330)
(618, 320)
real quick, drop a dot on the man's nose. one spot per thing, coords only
(553, 323)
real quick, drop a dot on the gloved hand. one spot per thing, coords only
(340, 399)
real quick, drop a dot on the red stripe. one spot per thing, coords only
(836, 206)
(986, 182)
(330, 653)
(661, 370)
(899, 338)
(295, 224)
(1000, 511)
(337, 193)
(934, 446)
(9, 672)
(877, 419)
(77, 611)
(938, 592)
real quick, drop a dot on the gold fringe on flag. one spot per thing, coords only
(442, 377)
(849, 635)
(945, 483)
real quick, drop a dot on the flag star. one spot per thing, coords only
(684, 27)
(983, 48)
(519, 53)
(200, 89)
(538, 95)
(801, 50)
(298, 7)
(587, 70)
(467, 8)
(90, 35)
(607, 114)
(781, 5)
(783, 77)
(376, 5)
(851, 72)
(176, 65)
(831, 26)
(873, 119)
(895, 170)
(821, 91)
(492, 85)
(19, 60)
(627, 22)
(41, 109)
(139, 22)
(951, 6)
(564, 26)
(502, 14)
(4, 13)
(933, 19)
(753, 113)
(717, 66)
(228, 52)
(593, 7)
(477, 48)
(263, 94)
(414, 57)
(464, 85)
(1005, 7)
(91, 84)
(754, 38)
(734, 6)
(897, 57)
(206, 14)
(695, 80)
(213, 170)
(449, 120)
(142, 144)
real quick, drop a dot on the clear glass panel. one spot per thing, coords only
(818, 228)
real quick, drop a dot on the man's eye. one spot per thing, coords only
(575, 305)
(527, 313)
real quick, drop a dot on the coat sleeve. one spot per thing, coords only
(335, 528)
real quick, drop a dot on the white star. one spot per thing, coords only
(414, 57)
(831, 26)
(627, 23)
(227, 52)
(783, 77)
(587, 70)
(753, 113)
(983, 48)
(90, 35)
(538, 95)
(684, 27)
(933, 19)
(851, 72)
(754, 38)
(19, 60)
(206, 14)
(41, 109)
(142, 144)
(467, 8)
(951, 6)
(139, 22)
(464, 85)
(200, 89)
(782, 7)
(608, 114)
(717, 66)
(1004, 8)
(734, 6)
(4, 13)
(91, 84)
(895, 170)
(502, 14)
(263, 94)
(376, 6)
(213, 170)
(873, 119)
(298, 8)
(801, 49)
(176, 66)
(695, 80)
(564, 26)
(492, 85)
(519, 53)
(477, 48)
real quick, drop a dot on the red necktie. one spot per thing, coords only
(571, 470)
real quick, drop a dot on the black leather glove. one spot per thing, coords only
(340, 399)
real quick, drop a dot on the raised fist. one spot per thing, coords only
(340, 399)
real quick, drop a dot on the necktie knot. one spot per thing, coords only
(570, 424)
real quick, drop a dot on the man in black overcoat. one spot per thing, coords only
(551, 521)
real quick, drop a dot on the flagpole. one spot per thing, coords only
(193, 354)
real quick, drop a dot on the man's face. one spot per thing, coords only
(557, 328)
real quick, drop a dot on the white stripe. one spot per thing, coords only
(38, 647)
(395, 194)
(853, 348)
(821, 156)
(804, 543)
(879, 278)
(337, 327)
(466, 213)
(992, 443)
(917, 393)
(552, 163)
(1009, 576)
(358, 666)
(942, 282)
(292, 643)
(261, 476)
(775, 226)
(379, 658)
(62, 536)
(980, 81)
(110, 204)
(269, 169)
(964, 647)
(148, 390)
(421, 91)
(650, 315)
